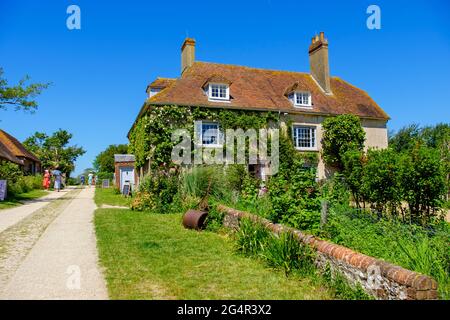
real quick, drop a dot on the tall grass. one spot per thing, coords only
(424, 250)
(284, 252)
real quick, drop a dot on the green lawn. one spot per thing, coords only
(109, 196)
(151, 256)
(19, 199)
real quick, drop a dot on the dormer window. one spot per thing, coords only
(218, 91)
(298, 97)
(302, 99)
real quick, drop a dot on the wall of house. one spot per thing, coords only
(376, 135)
(30, 166)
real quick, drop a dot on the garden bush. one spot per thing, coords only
(17, 182)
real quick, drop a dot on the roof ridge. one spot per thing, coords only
(253, 68)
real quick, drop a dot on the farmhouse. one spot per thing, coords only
(12, 150)
(302, 100)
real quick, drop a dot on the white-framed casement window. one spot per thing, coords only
(301, 99)
(304, 137)
(218, 91)
(209, 133)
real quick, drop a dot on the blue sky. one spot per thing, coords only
(99, 73)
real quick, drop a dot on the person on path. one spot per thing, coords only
(46, 181)
(83, 180)
(57, 174)
(90, 177)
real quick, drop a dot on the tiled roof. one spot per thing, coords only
(161, 83)
(5, 154)
(261, 89)
(15, 147)
(124, 158)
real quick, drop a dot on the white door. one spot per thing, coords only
(126, 177)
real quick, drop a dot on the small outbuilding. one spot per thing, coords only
(124, 172)
(14, 151)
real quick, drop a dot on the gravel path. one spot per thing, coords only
(9, 217)
(63, 263)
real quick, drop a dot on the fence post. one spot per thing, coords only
(323, 213)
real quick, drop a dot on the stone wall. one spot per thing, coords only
(377, 277)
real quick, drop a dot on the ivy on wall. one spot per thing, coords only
(151, 137)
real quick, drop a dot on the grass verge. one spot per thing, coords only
(19, 199)
(151, 256)
(109, 196)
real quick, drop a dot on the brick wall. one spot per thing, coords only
(377, 277)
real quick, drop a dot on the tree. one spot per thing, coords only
(381, 184)
(423, 182)
(341, 134)
(53, 151)
(20, 96)
(353, 171)
(104, 162)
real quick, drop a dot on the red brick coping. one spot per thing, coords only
(395, 282)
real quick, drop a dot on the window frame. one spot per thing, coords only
(301, 105)
(312, 128)
(219, 144)
(210, 90)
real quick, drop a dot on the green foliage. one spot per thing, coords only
(422, 249)
(424, 168)
(353, 171)
(335, 190)
(17, 183)
(293, 191)
(20, 96)
(10, 171)
(341, 134)
(279, 251)
(380, 182)
(157, 192)
(251, 238)
(104, 162)
(54, 151)
(151, 136)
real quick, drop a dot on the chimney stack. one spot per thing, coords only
(318, 61)
(187, 54)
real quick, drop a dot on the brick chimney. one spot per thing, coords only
(318, 61)
(187, 54)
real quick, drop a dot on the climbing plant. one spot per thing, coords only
(151, 137)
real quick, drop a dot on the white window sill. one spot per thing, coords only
(300, 106)
(306, 149)
(211, 145)
(219, 100)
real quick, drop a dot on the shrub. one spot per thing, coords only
(381, 181)
(341, 134)
(424, 168)
(157, 192)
